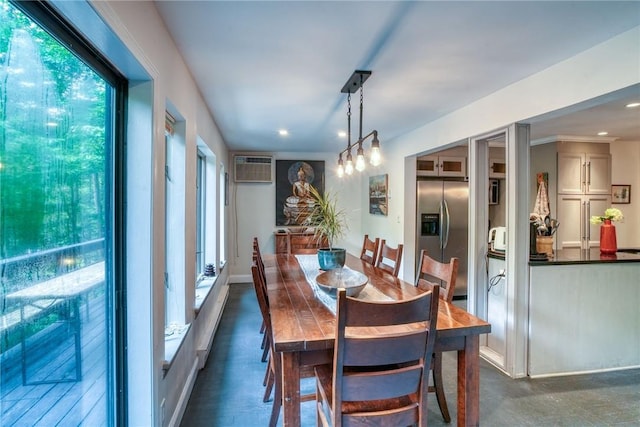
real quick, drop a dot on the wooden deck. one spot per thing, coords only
(51, 357)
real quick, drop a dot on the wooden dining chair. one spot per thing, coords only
(257, 258)
(431, 273)
(390, 258)
(275, 363)
(369, 251)
(382, 356)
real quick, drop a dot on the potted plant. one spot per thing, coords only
(329, 224)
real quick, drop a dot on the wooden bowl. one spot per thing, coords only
(353, 281)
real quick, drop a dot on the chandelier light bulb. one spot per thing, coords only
(376, 158)
(349, 167)
(360, 159)
(340, 170)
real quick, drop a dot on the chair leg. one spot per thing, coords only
(265, 351)
(262, 327)
(267, 373)
(264, 341)
(268, 382)
(438, 385)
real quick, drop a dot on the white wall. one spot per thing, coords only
(625, 158)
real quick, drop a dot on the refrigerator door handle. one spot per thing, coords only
(441, 231)
(446, 236)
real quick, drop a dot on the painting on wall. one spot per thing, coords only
(378, 198)
(621, 194)
(293, 180)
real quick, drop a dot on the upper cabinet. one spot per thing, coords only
(497, 168)
(584, 173)
(453, 166)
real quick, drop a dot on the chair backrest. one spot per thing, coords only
(390, 258)
(257, 259)
(443, 274)
(261, 294)
(370, 250)
(373, 366)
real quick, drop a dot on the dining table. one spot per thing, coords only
(304, 323)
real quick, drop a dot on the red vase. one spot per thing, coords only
(608, 244)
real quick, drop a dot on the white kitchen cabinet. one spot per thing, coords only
(497, 168)
(584, 173)
(453, 166)
(574, 212)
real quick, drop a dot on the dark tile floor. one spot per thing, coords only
(228, 391)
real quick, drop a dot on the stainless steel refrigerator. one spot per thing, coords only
(442, 225)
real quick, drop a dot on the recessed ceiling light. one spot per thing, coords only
(342, 134)
(603, 133)
(633, 105)
(283, 132)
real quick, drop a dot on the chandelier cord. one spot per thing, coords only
(349, 121)
(361, 103)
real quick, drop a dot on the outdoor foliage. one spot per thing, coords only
(52, 141)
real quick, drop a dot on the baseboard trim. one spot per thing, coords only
(203, 349)
(240, 278)
(184, 396)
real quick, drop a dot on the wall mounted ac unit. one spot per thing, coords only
(253, 168)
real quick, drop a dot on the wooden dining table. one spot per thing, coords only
(304, 331)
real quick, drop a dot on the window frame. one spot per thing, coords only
(49, 19)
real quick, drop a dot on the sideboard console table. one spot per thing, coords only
(297, 242)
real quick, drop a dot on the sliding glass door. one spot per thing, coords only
(58, 330)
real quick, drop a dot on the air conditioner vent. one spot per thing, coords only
(253, 168)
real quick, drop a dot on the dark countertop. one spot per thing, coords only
(579, 256)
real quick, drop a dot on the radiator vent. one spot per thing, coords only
(253, 168)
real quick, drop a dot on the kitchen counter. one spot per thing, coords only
(579, 256)
(572, 298)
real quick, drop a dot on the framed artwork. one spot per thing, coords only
(621, 194)
(378, 197)
(293, 180)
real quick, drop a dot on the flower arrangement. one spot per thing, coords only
(611, 214)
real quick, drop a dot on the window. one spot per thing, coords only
(201, 188)
(58, 154)
(224, 200)
(174, 224)
(205, 219)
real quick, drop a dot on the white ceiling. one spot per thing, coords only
(268, 65)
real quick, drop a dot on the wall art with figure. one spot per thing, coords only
(293, 180)
(378, 200)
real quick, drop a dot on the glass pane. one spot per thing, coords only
(174, 236)
(54, 180)
(200, 211)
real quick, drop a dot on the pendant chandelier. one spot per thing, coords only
(355, 82)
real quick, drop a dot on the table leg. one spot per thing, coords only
(291, 389)
(469, 382)
(23, 345)
(78, 338)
